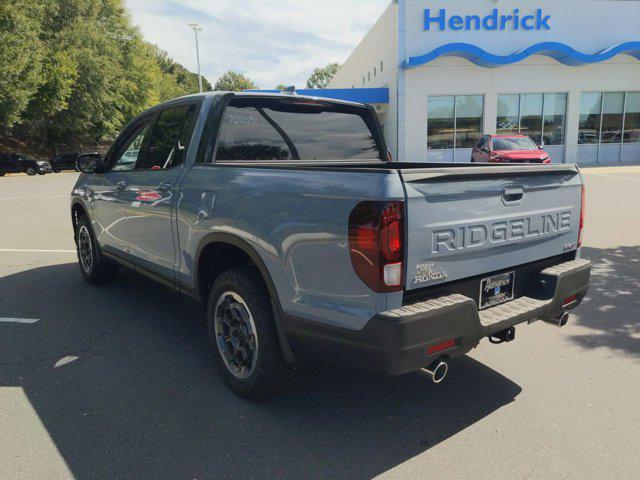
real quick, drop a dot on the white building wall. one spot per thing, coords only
(537, 74)
(588, 26)
(379, 45)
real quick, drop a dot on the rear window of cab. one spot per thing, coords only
(291, 129)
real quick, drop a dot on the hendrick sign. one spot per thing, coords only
(494, 21)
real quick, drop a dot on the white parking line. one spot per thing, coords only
(35, 251)
(19, 320)
(613, 176)
(35, 195)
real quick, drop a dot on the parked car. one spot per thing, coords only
(283, 216)
(65, 161)
(508, 149)
(16, 163)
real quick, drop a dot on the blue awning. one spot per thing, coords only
(559, 51)
(360, 95)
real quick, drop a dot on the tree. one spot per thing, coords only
(78, 70)
(281, 86)
(321, 77)
(186, 82)
(234, 82)
(114, 71)
(21, 53)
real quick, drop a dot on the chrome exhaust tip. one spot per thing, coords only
(437, 371)
(560, 321)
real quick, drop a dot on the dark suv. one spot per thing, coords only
(64, 161)
(16, 163)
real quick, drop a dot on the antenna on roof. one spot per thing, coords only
(289, 90)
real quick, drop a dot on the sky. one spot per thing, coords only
(270, 41)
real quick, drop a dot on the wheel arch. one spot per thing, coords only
(228, 242)
(78, 209)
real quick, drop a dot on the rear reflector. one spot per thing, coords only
(393, 274)
(569, 300)
(441, 347)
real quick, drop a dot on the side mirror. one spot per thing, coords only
(90, 163)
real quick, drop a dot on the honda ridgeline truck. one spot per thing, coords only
(285, 216)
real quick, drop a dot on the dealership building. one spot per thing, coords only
(443, 73)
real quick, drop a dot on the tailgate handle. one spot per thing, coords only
(512, 194)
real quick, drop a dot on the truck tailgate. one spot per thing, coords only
(465, 222)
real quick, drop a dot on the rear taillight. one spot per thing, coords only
(582, 213)
(376, 243)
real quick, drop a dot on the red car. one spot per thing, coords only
(508, 149)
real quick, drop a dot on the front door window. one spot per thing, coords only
(129, 156)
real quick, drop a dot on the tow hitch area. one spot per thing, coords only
(508, 335)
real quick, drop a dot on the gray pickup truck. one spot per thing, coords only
(286, 217)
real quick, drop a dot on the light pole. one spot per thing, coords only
(197, 28)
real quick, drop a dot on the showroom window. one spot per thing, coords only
(632, 118)
(541, 116)
(454, 121)
(609, 118)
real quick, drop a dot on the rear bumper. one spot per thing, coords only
(396, 342)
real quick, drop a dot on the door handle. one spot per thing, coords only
(121, 186)
(512, 194)
(164, 187)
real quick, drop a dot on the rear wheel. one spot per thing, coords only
(95, 268)
(243, 334)
(30, 171)
(1, 174)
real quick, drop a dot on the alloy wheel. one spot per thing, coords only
(235, 333)
(85, 249)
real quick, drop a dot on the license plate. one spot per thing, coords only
(496, 290)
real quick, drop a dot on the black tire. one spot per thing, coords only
(1, 174)
(267, 370)
(30, 171)
(56, 170)
(95, 268)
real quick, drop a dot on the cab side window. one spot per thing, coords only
(170, 139)
(129, 153)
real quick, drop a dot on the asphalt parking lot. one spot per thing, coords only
(118, 382)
